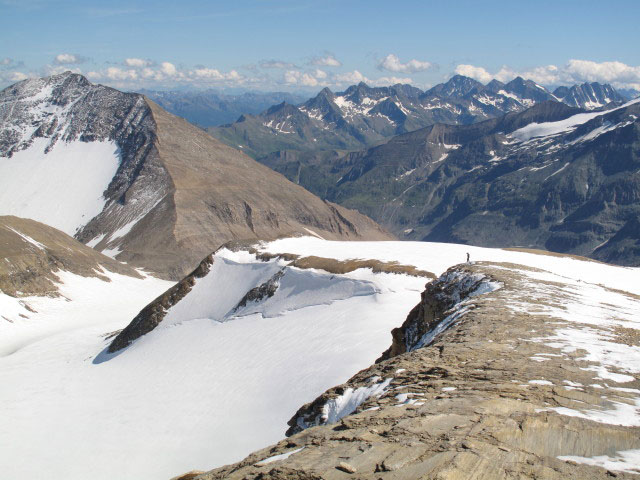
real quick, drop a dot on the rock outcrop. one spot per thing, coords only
(520, 385)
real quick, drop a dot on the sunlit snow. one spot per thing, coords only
(63, 188)
(213, 382)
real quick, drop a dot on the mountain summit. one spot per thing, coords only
(124, 176)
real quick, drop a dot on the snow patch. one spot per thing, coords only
(554, 128)
(28, 239)
(624, 461)
(277, 458)
(63, 188)
(350, 400)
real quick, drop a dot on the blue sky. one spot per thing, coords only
(305, 45)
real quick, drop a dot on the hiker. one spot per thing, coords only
(468, 257)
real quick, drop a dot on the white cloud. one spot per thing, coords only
(165, 75)
(215, 75)
(12, 76)
(137, 62)
(355, 76)
(321, 74)
(618, 74)
(117, 73)
(328, 60)
(168, 69)
(471, 71)
(392, 63)
(350, 77)
(294, 77)
(7, 64)
(17, 76)
(611, 72)
(69, 59)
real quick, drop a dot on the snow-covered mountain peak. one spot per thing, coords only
(64, 107)
(109, 167)
(68, 149)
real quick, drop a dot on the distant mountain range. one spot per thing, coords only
(364, 116)
(155, 191)
(552, 176)
(210, 108)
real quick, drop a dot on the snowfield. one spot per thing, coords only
(36, 185)
(215, 380)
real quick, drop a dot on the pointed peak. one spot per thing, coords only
(495, 84)
(326, 92)
(518, 82)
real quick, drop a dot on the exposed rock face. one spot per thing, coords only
(177, 194)
(265, 290)
(501, 393)
(588, 95)
(569, 191)
(32, 253)
(437, 300)
(150, 316)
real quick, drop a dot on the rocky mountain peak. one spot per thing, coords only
(65, 107)
(528, 90)
(589, 95)
(142, 177)
(326, 92)
(283, 108)
(456, 86)
(495, 85)
(404, 89)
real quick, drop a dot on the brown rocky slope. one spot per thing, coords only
(514, 388)
(219, 194)
(32, 253)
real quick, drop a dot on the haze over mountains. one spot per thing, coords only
(210, 108)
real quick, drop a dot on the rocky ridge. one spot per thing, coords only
(589, 95)
(539, 398)
(154, 313)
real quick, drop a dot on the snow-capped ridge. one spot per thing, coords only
(553, 128)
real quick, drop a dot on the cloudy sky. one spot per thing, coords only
(304, 45)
